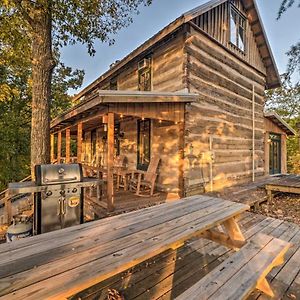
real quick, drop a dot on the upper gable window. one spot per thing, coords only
(237, 28)
(145, 74)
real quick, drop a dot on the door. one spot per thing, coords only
(275, 154)
(143, 144)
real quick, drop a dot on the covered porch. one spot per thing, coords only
(136, 126)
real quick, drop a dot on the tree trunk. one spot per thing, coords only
(42, 67)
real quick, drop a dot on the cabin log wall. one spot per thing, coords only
(216, 23)
(222, 113)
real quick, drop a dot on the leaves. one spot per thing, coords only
(286, 102)
(285, 5)
(86, 21)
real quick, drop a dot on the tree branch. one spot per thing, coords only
(24, 12)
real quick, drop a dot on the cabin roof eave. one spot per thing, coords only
(102, 98)
(276, 119)
(273, 78)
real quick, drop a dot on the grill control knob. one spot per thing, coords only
(48, 193)
(62, 192)
(74, 190)
(61, 171)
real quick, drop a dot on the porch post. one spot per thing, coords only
(181, 142)
(110, 158)
(68, 142)
(52, 147)
(79, 142)
(59, 147)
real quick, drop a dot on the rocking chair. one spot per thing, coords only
(143, 182)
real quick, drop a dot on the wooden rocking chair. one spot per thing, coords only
(144, 182)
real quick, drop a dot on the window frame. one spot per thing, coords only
(141, 165)
(146, 70)
(240, 17)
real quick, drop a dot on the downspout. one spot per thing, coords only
(253, 133)
(211, 164)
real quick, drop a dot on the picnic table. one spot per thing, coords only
(59, 264)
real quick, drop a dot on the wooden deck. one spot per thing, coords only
(60, 263)
(284, 184)
(169, 274)
(124, 201)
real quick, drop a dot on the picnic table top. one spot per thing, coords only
(61, 263)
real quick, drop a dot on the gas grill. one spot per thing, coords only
(58, 195)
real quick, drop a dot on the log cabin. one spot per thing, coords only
(193, 94)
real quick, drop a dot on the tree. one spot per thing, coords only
(15, 112)
(286, 102)
(48, 25)
(285, 5)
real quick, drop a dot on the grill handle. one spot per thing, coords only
(64, 180)
(63, 206)
(59, 207)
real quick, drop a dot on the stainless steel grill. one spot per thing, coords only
(58, 195)
(61, 205)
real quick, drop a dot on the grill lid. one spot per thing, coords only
(58, 174)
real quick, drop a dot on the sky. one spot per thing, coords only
(281, 33)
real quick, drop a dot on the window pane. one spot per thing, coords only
(233, 27)
(143, 144)
(241, 41)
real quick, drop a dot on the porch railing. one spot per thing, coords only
(6, 203)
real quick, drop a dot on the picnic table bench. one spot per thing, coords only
(59, 264)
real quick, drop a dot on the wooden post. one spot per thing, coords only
(8, 208)
(181, 159)
(52, 148)
(68, 143)
(59, 147)
(79, 142)
(110, 159)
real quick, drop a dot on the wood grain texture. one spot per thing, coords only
(83, 268)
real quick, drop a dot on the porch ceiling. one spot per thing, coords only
(159, 105)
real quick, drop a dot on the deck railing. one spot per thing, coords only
(6, 203)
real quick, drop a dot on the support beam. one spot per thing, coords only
(79, 142)
(181, 160)
(68, 144)
(59, 147)
(110, 159)
(52, 156)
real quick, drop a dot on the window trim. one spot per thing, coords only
(241, 16)
(150, 68)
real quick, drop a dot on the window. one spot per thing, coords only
(143, 143)
(144, 73)
(237, 29)
(117, 139)
(113, 84)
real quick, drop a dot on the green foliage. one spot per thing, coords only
(15, 111)
(286, 102)
(87, 21)
(22, 23)
(285, 5)
(293, 67)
